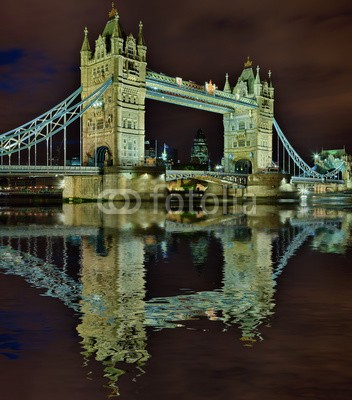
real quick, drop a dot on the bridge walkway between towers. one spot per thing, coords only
(186, 93)
(219, 178)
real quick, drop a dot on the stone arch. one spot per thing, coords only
(100, 155)
(243, 166)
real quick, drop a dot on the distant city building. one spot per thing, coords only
(151, 148)
(151, 151)
(199, 151)
(168, 154)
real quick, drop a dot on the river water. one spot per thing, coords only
(249, 302)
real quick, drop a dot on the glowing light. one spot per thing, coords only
(303, 191)
(98, 103)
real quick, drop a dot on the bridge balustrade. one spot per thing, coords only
(225, 177)
(303, 179)
(48, 170)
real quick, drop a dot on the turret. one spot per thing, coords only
(245, 83)
(257, 83)
(142, 48)
(271, 88)
(117, 37)
(86, 52)
(131, 47)
(227, 87)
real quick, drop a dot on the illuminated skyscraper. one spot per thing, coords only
(199, 152)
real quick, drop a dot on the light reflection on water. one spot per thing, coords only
(98, 266)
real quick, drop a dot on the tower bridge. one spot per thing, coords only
(110, 105)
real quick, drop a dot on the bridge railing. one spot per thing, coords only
(48, 170)
(303, 179)
(226, 177)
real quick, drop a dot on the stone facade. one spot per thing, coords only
(145, 183)
(248, 132)
(113, 130)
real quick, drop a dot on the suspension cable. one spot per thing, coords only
(299, 162)
(57, 118)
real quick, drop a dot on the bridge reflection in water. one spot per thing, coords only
(113, 270)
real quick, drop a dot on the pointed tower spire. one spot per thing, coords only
(257, 78)
(248, 63)
(257, 83)
(227, 87)
(117, 32)
(141, 47)
(141, 41)
(85, 44)
(113, 11)
(270, 81)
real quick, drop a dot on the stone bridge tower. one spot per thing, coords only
(113, 129)
(248, 132)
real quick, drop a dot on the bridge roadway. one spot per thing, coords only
(308, 180)
(57, 170)
(240, 180)
(186, 93)
(235, 180)
(44, 170)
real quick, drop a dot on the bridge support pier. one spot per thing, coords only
(117, 184)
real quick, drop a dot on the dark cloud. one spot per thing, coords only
(305, 44)
(10, 56)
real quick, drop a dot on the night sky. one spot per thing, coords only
(306, 44)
